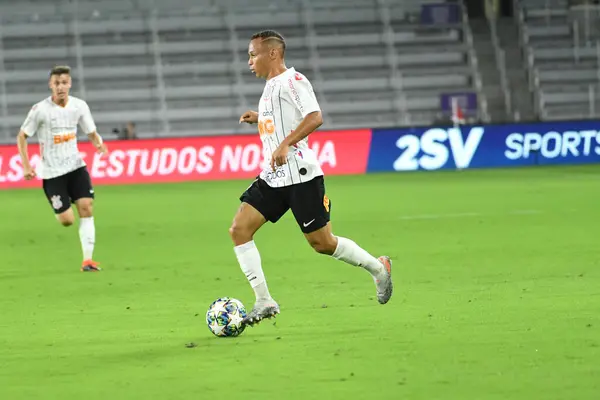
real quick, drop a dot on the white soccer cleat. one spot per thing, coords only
(262, 309)
(384, 284)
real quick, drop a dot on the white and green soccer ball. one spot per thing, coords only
(224, 317)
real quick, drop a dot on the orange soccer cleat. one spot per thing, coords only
(90, 266)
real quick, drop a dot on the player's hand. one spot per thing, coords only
(28, 173)
(249, 117)
(102, 149)
(279, 156)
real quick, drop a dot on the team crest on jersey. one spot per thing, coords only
(298, 77)
(56, 202)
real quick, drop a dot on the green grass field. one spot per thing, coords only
(497, 277)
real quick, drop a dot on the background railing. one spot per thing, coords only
(482, 111)
(500, 56)
(583, 19)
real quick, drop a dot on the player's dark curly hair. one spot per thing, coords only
(270, 34)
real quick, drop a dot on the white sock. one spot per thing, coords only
(87, 235)
(249, 259)
(353, 254)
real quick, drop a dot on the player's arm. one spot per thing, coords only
(250, 117)
(28, 129)
(28, 171)
(86, 121)
(309, 124)
(306, 102)
(97, 141)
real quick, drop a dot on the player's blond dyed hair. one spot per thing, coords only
(60, 69)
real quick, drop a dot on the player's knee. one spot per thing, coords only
(66, 220)
(323, 245)
(86, 209)
(239, 233)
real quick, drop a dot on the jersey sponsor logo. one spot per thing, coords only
(270, 175)
(56, 202)
(298, 77)
(268, 113)
(296, 96)
(58, 139)
(266, 127)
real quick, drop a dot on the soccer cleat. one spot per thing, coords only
(90, 266)
(262, 309)
(384, 285)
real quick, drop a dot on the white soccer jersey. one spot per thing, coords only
(286, 100)
(56, 127)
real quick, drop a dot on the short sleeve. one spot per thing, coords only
(302, 94)
(86, 121)
(30, 126)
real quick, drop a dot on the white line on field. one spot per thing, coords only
(440, 216)
(525, 212)
(467, 215)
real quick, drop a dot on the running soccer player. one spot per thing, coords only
(288, 112)
(65, 177)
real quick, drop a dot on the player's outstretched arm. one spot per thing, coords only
(28, 171)
(249, 117)
(97, 142)
(308, 125)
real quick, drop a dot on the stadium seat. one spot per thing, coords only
(564, 55)
(131, 58)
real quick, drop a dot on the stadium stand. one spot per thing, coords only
(562, 45)
(179, 67)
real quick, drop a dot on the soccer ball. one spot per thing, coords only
(224, 317)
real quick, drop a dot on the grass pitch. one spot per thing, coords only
(497, 276)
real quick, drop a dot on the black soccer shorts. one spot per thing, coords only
(309, 203)
(66, 189)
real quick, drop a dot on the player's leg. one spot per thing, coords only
(312, 209)
(340, 248)
(246, 222)
(259, 204)
(58, 196)
(87, 233)
(66, 218)
(82, 194)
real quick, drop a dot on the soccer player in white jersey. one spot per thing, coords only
(288, 112)
(65, 177)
